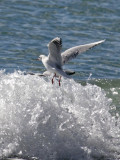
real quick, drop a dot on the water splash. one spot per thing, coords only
(89, 78)
(38, 119)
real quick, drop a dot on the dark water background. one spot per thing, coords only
(73, 122)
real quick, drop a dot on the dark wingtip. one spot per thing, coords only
(58, 41)
(69, 72)
(61, 41)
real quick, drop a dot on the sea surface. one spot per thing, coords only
(80, 120)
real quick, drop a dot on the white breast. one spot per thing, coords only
(47, 66)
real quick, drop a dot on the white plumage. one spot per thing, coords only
(55, 60)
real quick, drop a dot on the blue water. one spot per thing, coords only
(80, 120)
(26, 27)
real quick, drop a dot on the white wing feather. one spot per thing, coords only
(54, 51)
(74, 51)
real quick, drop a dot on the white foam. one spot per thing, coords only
(51, 122)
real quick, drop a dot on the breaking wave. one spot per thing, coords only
(73, 122)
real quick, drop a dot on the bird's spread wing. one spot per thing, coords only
(68, 72)
(61, 72)
(74, 51)
(54, 51)
(47, 73)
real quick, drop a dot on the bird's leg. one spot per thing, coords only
(59, 80)
(53, 78)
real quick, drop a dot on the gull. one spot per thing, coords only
(55, 60)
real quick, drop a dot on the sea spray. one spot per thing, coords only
(38, 119)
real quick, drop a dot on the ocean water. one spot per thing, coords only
(80, 120)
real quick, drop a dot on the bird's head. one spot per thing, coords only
(41, 57)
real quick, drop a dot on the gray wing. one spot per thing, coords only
(68, 72)
(47, 73)
(58, 71)
(74, 51)
(55, 51)
(61, 72)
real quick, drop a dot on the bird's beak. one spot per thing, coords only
(38, 59)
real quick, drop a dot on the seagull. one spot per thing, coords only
(55, 60)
